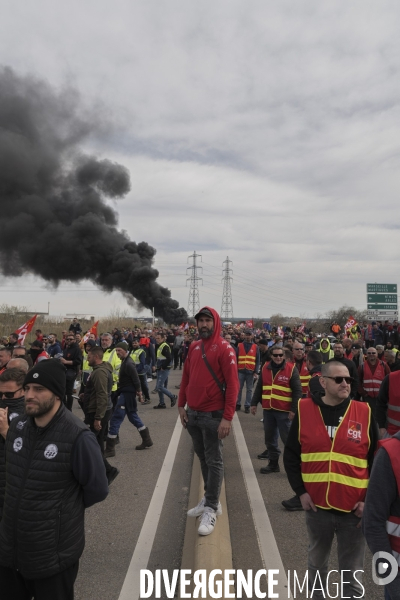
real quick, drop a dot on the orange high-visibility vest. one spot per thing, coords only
(372, 381)
(335, 473)
(247, 361)
(304, 376)
(392, 447)
(276, 391)
(393, 413)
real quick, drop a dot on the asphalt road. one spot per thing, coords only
(113, 527)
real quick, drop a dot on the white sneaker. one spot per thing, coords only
(208, 520)
(198, 510)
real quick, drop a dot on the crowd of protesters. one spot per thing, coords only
(110, 373)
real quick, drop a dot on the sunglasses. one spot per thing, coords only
(373, 353)
(339, 380)
(9, 395)
(277, 355)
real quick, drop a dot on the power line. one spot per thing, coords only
(194, 300)
(227, 307)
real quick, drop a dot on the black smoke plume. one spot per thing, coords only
(54, 221)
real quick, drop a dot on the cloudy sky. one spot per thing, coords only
(264, 131)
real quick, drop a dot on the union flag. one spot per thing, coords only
(24, 330)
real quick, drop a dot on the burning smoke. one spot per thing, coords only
(54, 221)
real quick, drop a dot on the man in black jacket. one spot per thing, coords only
(128, 388)
(72, 360)
(54, 471)
(11, 406)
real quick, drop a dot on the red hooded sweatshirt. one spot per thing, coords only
(198, 387)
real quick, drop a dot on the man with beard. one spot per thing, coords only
(54, 471)
(11, 406)
(209, 389)
(338, 352)
(72, 360)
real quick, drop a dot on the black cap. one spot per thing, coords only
(263, 341)
(356, 347)
(50, 374)
(204, 311)
(248, 332)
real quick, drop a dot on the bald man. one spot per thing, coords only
(18, 363)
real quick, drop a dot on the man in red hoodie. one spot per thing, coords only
(209, 390)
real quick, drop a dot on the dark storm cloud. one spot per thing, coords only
(55, 222)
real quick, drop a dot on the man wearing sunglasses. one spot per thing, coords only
(11, 406)
(279, 390)
(328, 458)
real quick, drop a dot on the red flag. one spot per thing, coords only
(93, 329)
(351, 322)
(301, 329)
(24, 330)
(249, 323)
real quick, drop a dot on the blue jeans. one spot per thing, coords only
(203, 428)
(321, 527)
(119, 415)
(248, 378)
(162, 382)
(275, 421)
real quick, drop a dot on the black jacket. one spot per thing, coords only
(52, 474)
(15, 407)
(73, 353)
(128, 377)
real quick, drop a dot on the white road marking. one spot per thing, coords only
(140, 558)
(268, 547)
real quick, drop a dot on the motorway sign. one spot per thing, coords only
(383, 298)
(378, 307)
(382, 288)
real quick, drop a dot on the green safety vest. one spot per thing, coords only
(111, 357)
(135, 354)
(160, 355)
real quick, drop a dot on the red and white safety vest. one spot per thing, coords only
(247, 361)
(276, 391)
(335, 472)
(373, 380)
(392, 447)
(304, 376)
(393, 413)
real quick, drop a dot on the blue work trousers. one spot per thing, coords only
(245, 377)
(119, 415)
(275, 421)
(161, 385)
